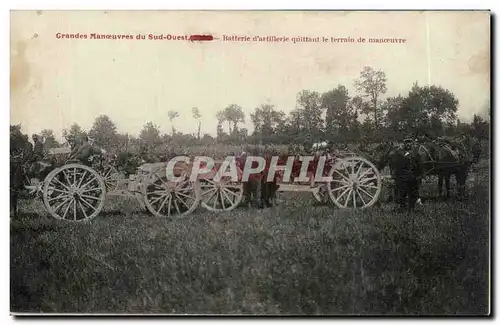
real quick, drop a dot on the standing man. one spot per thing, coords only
(82, 150)
(36, 156)
(38, 152)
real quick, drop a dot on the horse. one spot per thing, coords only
(444, 161)
(436, 159)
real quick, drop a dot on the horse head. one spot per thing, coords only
(381, 154)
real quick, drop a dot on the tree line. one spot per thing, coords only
(336, 115)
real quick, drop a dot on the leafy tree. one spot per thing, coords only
(480, 127)
(372, 84)
(220, 120)
(104, 132)
(123, 142)
(74, 130)
(341, 116)
(172, 115)
(427, 109)
(267, 121)
(234, 114)
(150, 135)
(394, 118)
(49, 139)
(197, 116)
(309, 105)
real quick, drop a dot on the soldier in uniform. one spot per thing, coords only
(407, 176)
(82, 150)
(37, 154)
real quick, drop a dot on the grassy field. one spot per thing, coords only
(296, 258)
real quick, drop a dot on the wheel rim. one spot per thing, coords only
(74, 193)
(223, 195)
(164, 198)
(356, 183)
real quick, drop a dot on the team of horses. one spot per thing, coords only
(421, 159)
(408, 166)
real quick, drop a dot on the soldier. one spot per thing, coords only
(407, 145)
(38, 152)
(71, 141)
(82, 150)
(407, 176)
(36, 155)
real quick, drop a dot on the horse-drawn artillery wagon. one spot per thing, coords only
(76, 192)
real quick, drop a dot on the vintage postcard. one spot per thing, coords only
(250, 162)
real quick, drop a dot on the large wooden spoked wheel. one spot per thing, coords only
(222, 195)
(74, 192)
(356, 183)
(110, 175)
(164, 198)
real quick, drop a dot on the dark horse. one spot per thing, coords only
(257, 190)
(442, 160)
(406, 171)
(434, 158)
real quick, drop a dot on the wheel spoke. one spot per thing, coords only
(353, 199)
(91, 190)
(185, 189)
(185, 195)
(169, 205)
(359, 169)
(348, 197)
(230, 192)
(83, 210)
(208, 191)
(64, 185)
(180, 199)
(361, 197)
(340, 187)
(341, 174)
(158, 186)
(60, 196)
(364, 173)
(221, 200)
(161, 180)
(74, 209)
(163, 203)
(156, 192)
(57, 190)
(343, 193)
(366, 180)
(90, 197)
(67, 178)
(67, 208)
(227, 197)
(91, 180)
(368, 194)
(176, 206)
(88, 204)
(81, 179)
(68, 198)
(159, 198)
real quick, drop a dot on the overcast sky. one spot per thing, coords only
(56, 82)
